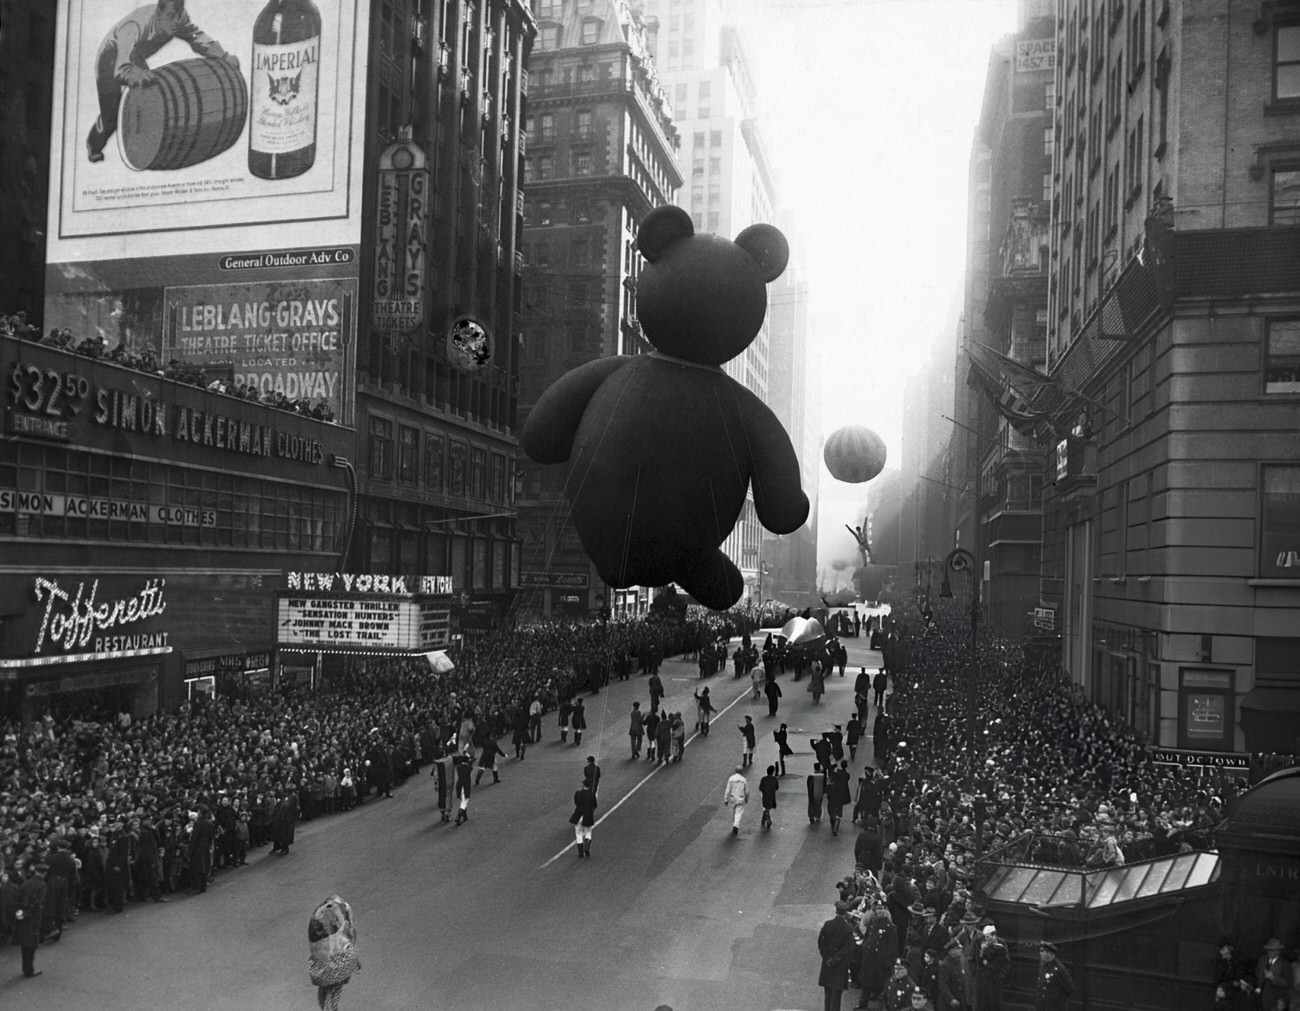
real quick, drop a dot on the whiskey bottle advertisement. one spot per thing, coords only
(285, 86)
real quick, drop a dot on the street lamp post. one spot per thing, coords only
(961, 560)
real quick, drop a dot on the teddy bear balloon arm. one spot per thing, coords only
(547, 434)
(779, 500)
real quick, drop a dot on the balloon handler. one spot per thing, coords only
(122, 60)
(661, 447)
(333, 940)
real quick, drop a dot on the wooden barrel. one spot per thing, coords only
(194, 110)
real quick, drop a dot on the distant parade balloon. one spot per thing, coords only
(854, 454)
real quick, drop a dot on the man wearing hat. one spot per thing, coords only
(28, 916)
(835, 945)
(919, 1001)
(879, 950)
(1054, 983)
(899, 989)
(736, 796)
(1272, 977)
(951, 994)
(991, 967)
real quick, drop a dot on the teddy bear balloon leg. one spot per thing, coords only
(714, 581)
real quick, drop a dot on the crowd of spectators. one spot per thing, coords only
(147, 807)
(1052, 779)
(145, 360)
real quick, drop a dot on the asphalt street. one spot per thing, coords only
(499, 914)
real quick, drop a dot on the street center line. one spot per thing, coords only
(644, 780)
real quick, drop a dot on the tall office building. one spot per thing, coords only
(602, 152)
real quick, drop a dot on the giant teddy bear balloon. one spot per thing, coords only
(661, 447)
(332, 938)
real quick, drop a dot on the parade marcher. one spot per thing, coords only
(852, 735)
(835, 738)
(1054, 984)
(767, 789)
(583, 818)
(651, 724)
(867, 851)
(28, 916)
(773, 692)
(736, 796)
(664, 738)
(535, 719)
(991, 968)
(703, 711)
(878, 684)
(487, 759)
(782, 738)
(636, 729)
(750, 734)
(656, 688)
(521, 735)
(578, 720)
(816, 792)
(838, 794)
(677, 726)
(756, 679)
(591, 775)
(835, 944)
(462, 764)
(817, 680)
(565, 711)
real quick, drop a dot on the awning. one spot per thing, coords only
(1077, 889)
(439, 662)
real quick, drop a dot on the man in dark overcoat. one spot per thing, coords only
(879, 951)
(1054, 984)
(835, 944)
(284, 819)
(62, 888)
(202, 837)
(148, 859)
(29, 915)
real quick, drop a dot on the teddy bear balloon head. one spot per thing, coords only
(702, 297)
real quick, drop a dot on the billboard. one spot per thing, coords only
(206, 172)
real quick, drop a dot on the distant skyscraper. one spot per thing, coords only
(601, 154)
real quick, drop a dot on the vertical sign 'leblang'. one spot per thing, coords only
(401, 239)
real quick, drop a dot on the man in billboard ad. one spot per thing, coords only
(123, 60)
(244, 120)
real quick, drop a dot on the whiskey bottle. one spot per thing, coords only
(285, 89)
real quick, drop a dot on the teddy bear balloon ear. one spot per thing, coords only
(768, 247)
(660, 227)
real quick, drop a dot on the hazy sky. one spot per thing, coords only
(869, 108)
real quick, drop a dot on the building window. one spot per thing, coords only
(1282, 357)
(581, 212)
(542, 254)
(584, 124)
(546, 167)
(1048, 136)
(549, 10)
(715, 138)
(408, 454)
(1049, 96)
(381, 449)
(1286, 62)
(1280, 522)
(582, 163)
(435, 449)
(1205, 708)
(586, 74)
(548, 127)
(1284, 200)
(543, 212)
(590, 31)
(582, 253)
(548, 37)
